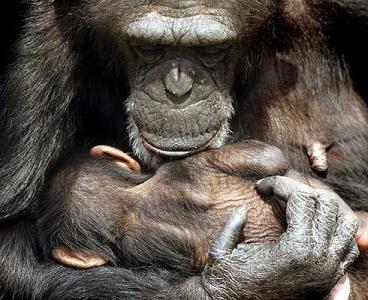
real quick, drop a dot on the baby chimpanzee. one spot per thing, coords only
(133, 226)
(137, 222)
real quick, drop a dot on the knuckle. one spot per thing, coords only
(307, 254)
(278, 179)
(273, 181)
(328, 199)
(328, 195)
(355, 252)
(314, 258)
(215, 254)
(351, 224)
(319, 255)
(328, 210)
(304, 196)
(350, 258)
(354, 221)
(309, 259)
(268, 185)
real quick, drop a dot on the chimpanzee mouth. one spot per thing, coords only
(158, 132)
(216, 140)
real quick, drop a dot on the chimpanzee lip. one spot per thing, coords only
(175, 153)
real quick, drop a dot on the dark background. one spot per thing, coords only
(10, 22)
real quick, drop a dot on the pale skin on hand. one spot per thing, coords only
(83, 260)
(341, 290)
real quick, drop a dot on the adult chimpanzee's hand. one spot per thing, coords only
(310, 257)
(304, 263)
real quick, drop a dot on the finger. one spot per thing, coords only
(347, 224)
(362, 234)
(230, 233)
(283, 187)
(327, 216)
(341, 290)
(325, 220)
(347, 228)
(351, 256)
(344, 209)
(301, 200)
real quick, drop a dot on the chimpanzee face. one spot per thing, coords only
(181, 60)
(180, 100)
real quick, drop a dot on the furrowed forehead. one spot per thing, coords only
(187, 26)
(179, 4)
(187, 31)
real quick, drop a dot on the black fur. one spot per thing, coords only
(86, 209)
(56, 103)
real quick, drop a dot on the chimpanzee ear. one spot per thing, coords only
(77, 259)
(119, 157)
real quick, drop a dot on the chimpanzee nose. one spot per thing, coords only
(178, 84)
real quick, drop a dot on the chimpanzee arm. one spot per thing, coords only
(23, 277)
(307, 261)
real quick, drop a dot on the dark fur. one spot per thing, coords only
(56, 102)
(9, 31)
(89, 207)
(65, 206)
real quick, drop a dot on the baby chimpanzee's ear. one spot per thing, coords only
(119, 157)
(77, 259)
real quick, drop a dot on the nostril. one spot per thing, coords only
(178, 83)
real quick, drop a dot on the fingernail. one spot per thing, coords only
(259, 181)
(241, 210)
(264, 187)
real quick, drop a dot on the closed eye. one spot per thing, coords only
(149, 53)
(212, 55)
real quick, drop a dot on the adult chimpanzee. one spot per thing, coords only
(158, 228)
(179, 68)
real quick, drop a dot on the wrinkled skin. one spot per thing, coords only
(310, 230)
(316, 249)
(143, 209)
(79, 63)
